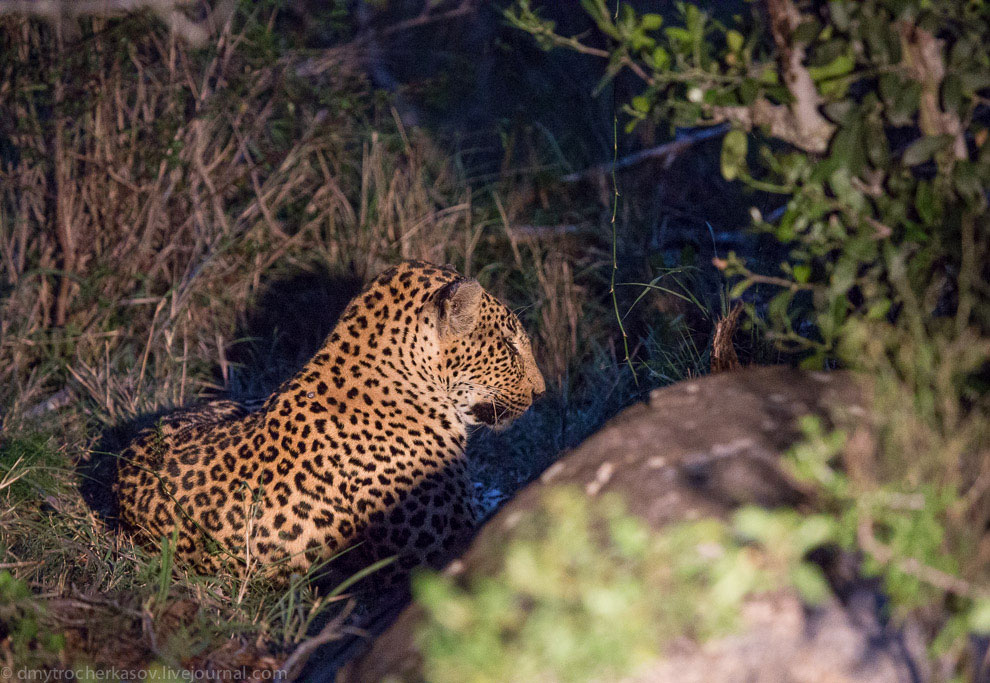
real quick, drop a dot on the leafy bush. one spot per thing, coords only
(870, 120)
(587, 592)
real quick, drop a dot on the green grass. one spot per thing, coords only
(69, 564)
(30, 465)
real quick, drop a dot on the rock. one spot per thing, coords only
(701, 448)
(783, 640)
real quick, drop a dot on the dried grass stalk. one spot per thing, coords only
(724, 356)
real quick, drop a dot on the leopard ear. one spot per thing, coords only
(458, 304)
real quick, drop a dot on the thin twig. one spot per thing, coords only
(666, 152)
(756, 278)
(912, 567)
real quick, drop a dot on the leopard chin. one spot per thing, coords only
(496, 414)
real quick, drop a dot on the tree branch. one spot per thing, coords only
(781, 122)
(810, 124)
(923, 59)
(798, 123)
(666, 152)
(167, 10)
(912, 567)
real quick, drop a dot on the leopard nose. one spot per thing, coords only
(536, 379)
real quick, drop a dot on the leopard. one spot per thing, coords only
(365, 446)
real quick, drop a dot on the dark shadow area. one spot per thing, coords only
(291, 318)
(98, 472)
(381, 597)
(489, 88)
(538, 126)
(866, 604)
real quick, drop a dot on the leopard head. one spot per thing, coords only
(485, 354)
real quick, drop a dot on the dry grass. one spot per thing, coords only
(137, 223)
(724, 357)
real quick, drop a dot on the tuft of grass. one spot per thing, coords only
(29, 464)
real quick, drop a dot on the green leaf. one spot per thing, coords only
(876, 143)
(802, 273)
(878, 310)
(974, 81)
(843, 276)
(923, 149)
(807, 31)
(814, 362)
(734, 39)
(889, 84)
(639, 41)
(952, 94)
(651, 22)
(814, 531)
(693, 18)
(740, 288)
(876, 32)
(831, 49)
(778, 307)
(731, 587)
(757, 524)
(641, 103)
(906, 101)
(769, 76)
(832, 320)
(734, 148)
(962, 51)
(840, 66)
(979, 616)
(627, 18)
(966, 179)
(927, 203)
(680, 36)
(810, 583)
(839, 12)
(847, 150)
(902, 9)
(661, 59)
(838, 111)
(748, 90)
(597, 10)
